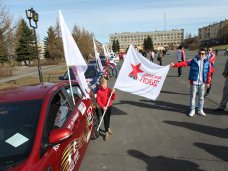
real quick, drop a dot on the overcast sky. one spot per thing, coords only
(104, 17)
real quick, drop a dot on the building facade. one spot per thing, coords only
(161, 39)
(210, 35)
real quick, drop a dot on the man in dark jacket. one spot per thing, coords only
(199, 76)
(224, 100)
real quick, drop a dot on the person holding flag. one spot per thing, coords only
(199, 76)
(104, 99)
(138, 76)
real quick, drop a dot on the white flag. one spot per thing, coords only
(98, 60)
(141, 77)
(106, 54)
(73, 56)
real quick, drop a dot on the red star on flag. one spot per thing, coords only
(135, 70)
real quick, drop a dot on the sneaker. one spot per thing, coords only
(106, 136)
(109, 131)
(192, 113)
(201, 112)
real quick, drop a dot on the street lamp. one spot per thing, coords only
(32, 15)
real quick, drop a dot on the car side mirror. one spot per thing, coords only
(58, 135)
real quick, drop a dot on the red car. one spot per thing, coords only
(41, 128)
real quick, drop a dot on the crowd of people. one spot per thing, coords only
(201, 71)
(202, 68)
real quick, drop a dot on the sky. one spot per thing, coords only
(104, 17)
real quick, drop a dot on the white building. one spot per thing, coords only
(161, 39)
(210, 34)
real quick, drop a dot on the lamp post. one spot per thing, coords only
(32, 15)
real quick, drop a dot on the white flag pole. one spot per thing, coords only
(107, 104)
(68, 72)
(105, 111)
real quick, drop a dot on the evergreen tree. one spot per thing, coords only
(148, 44)
(59, 52)
(51, 45)
(3, 49)
(25, 43)
(117, 46)
(145, 44)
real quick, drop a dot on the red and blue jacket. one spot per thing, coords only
(194, 69)
(212, 59)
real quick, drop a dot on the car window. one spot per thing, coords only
(91, 71)
(72, 77)
(77, 93)
(59, 111)
(102, 57)
(18, 123)
(103, 61)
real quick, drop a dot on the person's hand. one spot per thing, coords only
(113, 90)
(105, 108)
(224, 75)
(207, 85)
(171, 65)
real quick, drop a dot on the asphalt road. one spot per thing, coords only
(158, 135)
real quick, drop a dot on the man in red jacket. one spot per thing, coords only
(211, 56)
(103, 95)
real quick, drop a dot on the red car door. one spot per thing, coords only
(72, 150)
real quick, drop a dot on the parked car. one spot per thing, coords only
(114, 57)
(41, 128)
(94, 62)
(92, 76)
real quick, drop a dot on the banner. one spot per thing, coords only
(98, 60)
(73, 56)
(140, 76)
(106, 53)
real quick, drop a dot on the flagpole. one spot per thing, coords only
(72, 94)
(106, 106)
(105, 111)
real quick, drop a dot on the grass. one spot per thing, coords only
(221, 47)
(48, 76)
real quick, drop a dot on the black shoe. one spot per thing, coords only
(206, 95)
(219, 110)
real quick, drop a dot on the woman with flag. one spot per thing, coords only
(105, 103)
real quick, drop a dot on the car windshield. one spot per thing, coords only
(18, 122)
(91, 71)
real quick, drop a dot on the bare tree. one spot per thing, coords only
(6, 35)
(223, 32)
(84, 40)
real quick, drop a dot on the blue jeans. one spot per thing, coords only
(193, 90)
(114, 71)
